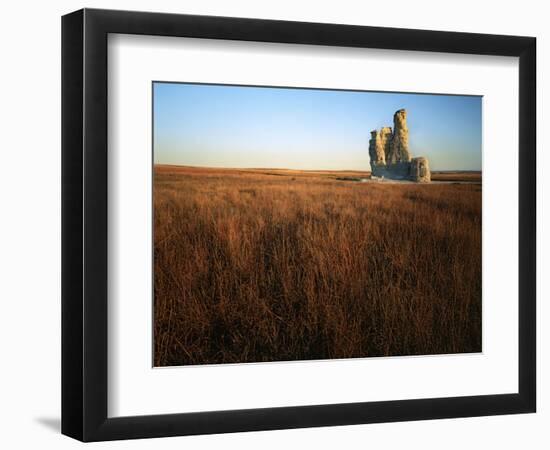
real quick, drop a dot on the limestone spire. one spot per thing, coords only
(399, 149)
(390, 156)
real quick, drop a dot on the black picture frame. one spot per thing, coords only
(84, 224)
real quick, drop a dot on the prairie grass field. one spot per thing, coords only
(276, 265)
(459, 176)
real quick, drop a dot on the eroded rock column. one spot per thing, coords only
(420, 170)
(399, 149)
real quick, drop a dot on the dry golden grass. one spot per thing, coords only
(472, 177)
(252, 265)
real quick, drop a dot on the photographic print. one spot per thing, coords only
(314, 224)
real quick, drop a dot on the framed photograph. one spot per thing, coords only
(272, 224)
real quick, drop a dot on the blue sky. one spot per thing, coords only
(244, 127)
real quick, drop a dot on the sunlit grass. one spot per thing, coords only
(264, 266)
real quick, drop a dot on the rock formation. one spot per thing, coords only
(399, 148)
(380, 145)
(390, 156)
(420, 170)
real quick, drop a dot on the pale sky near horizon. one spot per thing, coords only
(263, 127)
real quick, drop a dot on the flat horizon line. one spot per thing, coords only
(302, 170)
